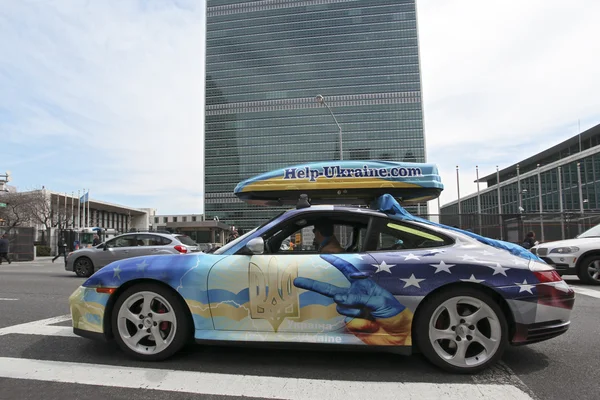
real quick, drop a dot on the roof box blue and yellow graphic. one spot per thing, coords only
(343, 182)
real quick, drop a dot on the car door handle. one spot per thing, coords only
(360, 275)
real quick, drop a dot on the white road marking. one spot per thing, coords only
(586, 291)
(41, 327)
(246, 385)
(6, 299)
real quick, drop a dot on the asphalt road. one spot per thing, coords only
(564, 367)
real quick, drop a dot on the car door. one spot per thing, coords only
(287, 290)
(147, 245)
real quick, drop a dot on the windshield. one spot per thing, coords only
(592, 232)
(229, 245)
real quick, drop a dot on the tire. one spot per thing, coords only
(83, 267)
(486, 337)
(589, 270)
(174, 333)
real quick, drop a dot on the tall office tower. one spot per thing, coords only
(266, 62)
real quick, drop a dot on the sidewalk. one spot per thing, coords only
(44, 260)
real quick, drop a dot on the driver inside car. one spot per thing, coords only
(325, 239)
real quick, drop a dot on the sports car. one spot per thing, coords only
(375, 277)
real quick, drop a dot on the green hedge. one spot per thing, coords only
(43, 251)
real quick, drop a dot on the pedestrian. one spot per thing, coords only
(529, 241)
(96, 240)
(62, 250)
(4, 248)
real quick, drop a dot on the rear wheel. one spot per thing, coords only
(83, 267)
(461, 330)
(149, 322)
(589, 270)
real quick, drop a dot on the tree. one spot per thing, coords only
(17, 211)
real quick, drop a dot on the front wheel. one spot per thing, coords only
(83, 267)
(149, 322)
(589, 270)
(461, 330)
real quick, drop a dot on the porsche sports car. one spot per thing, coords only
(367, 273)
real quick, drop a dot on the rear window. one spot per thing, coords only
(186, 240)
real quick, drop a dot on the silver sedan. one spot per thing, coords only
(84, 262)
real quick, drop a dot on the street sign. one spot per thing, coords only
(2, 204)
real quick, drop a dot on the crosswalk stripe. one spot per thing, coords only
(246, 385)
(42, 327)
(586, 291)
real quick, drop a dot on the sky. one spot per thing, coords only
(109, 95)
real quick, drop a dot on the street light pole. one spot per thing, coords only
(321, 99)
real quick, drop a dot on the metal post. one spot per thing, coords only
(580, 196)
(539, 177)
(519, 189)
(78, 210)
(72, 207)
(458, 192)
(321, 99)
(478, 199)
(499, 204)
(560, 204)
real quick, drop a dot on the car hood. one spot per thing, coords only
(571, 242)
(170, 269)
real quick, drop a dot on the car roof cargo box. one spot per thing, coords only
(343, 182)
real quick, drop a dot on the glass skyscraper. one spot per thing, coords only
(267, 60)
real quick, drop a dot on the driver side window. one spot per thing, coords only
(298, 236)
(124, 241)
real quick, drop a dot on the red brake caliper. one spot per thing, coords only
(163, 325)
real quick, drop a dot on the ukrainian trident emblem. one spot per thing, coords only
(273, 295)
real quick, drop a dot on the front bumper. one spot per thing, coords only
(563, 263)
(87, 310)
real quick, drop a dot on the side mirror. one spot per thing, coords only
(256, 245)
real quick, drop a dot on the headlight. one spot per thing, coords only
(564, 250)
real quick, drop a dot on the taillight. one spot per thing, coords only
(547, 276)
(181, 249)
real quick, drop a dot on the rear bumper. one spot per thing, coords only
(538, 332)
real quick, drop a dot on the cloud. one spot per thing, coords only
(504, 80)
(115, 88)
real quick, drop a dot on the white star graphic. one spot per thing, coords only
(411, 256)
(412, 281)
(525, 287)
(498, 269)
(141, 266)
(442, 266)
(472, 279)
(468, 258)
(383, 267)
(117, 272)
(519, 261)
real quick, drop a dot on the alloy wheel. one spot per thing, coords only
(147, 323)
(465, 331)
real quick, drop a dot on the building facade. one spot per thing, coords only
(193, 225)
(555, 193)
(268, 60)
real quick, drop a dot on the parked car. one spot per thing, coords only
(398, 283)
(85, 261)
(579, 256)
